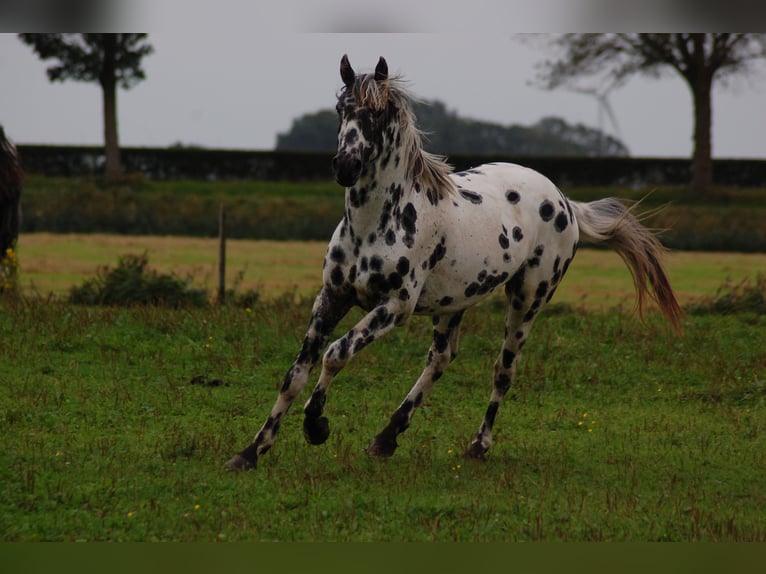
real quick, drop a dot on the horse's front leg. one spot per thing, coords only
(329, 308)
(373, 325)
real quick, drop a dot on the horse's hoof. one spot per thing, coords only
(316, 430)
(476, 452)
(239, 462)
(381, 448)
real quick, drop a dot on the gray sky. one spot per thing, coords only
(238, 81)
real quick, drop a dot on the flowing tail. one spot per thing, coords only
(609, 221)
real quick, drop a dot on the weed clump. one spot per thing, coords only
(744, 297)
(131, 283)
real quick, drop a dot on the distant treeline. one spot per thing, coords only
(448, 134)
(180, 163)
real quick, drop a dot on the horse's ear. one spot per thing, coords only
(381, 70)
(346, 71)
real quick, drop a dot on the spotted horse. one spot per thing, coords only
(418, 239)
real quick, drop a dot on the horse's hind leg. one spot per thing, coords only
(442, 351)
(524, 302)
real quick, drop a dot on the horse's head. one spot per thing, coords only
(364, 111)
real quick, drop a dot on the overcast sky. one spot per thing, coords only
(238, 82)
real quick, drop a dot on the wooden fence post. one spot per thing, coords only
(222, 254)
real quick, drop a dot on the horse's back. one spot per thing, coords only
(503, 218)
(524, 202)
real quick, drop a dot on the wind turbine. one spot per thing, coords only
(604, 109)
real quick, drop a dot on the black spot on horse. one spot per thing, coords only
(518, 235)
(508, 357)
(512, 196)
(376, 263)
(337, 254)
(472, 289)
(561, 222)
(357, 197)
(409, 217)
(372, 238)
(377, 282)
(441, 341)
(336, 276)
(385, 160)
(380, 319)
(403, 266)
(503, 240)
(396, 190)
(364, 264)
(351, 136)
(474, 198)
(516, 285)
(492, 412)
(542, 289)
(394, 280)
(385, 216)
(390, 237)
(546, 210)
(503, 382)
(444, 301)
(438, 254)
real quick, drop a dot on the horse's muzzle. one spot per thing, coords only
(347, 169)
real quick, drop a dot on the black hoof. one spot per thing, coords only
(316, 430)
(476, 452)
(239, 462)
(381, 447)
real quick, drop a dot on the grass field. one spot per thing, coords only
(597, 278)
(613, 430)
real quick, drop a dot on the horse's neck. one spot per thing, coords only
(377, 196)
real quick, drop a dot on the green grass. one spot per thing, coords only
(106, 438)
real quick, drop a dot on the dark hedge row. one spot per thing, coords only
(732, 220)
(210, 164)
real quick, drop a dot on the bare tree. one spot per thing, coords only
(700, 59)
(109, 59)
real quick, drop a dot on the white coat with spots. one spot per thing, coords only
(418, 239)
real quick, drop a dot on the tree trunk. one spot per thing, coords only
(702, 160)
(108, 82)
